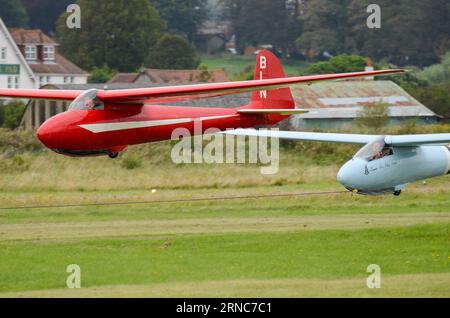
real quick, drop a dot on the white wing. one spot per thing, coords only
(397, 141)
(419, 140)
(306, 136)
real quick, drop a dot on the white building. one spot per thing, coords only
(30, 59)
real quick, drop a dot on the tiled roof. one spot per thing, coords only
(61, 66)
(124, 78)
(35, 36)
(173, 76)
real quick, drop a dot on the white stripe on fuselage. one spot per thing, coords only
(108, 127)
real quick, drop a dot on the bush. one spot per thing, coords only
(375, 115)
(11, 114)
(339, 64)
(101, 75)
(131, 163)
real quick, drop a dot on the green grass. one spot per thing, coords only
(301, 246)
(323, 255)
(236, 64)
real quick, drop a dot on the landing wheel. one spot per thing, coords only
(113, 155)
(398, 193)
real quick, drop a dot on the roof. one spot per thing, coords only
(61, 66)
(344, 99)
(173, 76)
(34, 36)
(124, 78)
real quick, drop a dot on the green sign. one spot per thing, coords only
(9, 69)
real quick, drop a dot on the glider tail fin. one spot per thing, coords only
(267, 67)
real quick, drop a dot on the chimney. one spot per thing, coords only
(369, 68)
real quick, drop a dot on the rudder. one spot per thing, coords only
(268, 66)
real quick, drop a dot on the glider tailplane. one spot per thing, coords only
(269, 67)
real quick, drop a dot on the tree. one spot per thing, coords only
(117, 33)
(272, 22)
(438, 73)
(101, 74)
(183, 17)
(339, 64)
(45, 13)
(413, 32)
(374, 115)
(173, 52)
(13, 14)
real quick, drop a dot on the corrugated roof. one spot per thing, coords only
(344, 99)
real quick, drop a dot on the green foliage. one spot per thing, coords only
(13, 14)
(101, 74)
(11, 114)
(16, 163)
(116, 33)
(272, 22)
(182, 16)
(339, 64)
(173, 52)
(375, 115)
(44, 13)
(18, 141)
(131, 162)
(438, 73)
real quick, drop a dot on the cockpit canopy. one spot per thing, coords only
(375, 150)
(87, 101)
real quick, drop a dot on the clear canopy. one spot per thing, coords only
(375, 150)
(87, 101)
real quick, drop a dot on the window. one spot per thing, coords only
(41, 80)
(49, 53)
(13, 82)
(66, 79)
(30, 53)
(3, 53)
(87, 101)
(375, 150)
(72, 79)
(48, 79)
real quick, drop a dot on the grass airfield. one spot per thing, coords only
(295, 246)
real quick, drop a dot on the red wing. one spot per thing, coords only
(185, 92)
(188, 92)
(54, 94)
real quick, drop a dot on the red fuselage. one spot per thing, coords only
(97, 132)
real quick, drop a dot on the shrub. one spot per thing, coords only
(131, 163)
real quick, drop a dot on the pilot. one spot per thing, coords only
(377, 150)
(90, 104)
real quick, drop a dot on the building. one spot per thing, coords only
(154, 76)
(335, 105)
(30, 59)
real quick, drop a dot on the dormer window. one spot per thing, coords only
(30, 52)
(49, 53)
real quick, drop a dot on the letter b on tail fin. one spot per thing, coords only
(268, 66)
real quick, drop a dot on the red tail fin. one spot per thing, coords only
(268, 66)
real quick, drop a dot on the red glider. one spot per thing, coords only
(102, 122)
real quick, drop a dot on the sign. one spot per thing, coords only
(9, 69)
